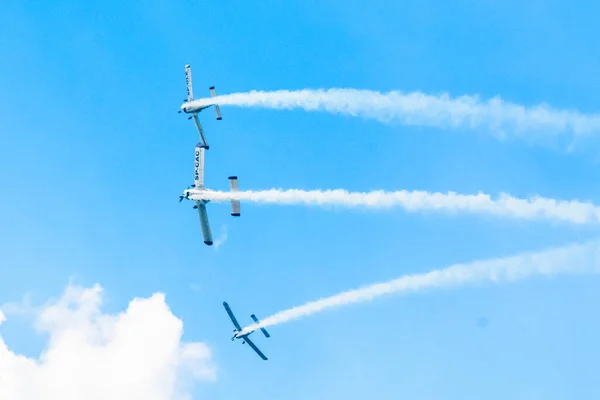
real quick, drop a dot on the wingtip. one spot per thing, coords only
(208, 243)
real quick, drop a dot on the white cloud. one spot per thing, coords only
(23, 307)
(222, 238)
(136, 354)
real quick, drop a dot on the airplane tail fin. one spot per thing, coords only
(213, 93)
(235, 204)
(188, 82)
(263, 330)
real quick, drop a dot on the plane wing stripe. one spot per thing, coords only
(235, 323)
(255, 348)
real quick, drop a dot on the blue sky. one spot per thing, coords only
(95, 155)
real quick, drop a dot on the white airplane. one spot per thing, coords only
(245, 336)
(195, 110)
(198, 189)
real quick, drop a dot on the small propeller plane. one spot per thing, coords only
(195, 110)
(238, 331)
(198, 189)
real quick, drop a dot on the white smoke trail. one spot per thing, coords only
(505, 205)
(571, 259)
(416, 108)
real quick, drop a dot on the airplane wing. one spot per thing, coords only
(188, 82)
(235, 323)
(203, 214)
(200, 130)
(255, 348)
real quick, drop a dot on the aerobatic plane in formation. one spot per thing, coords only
(196, 109)
(197, 190)
(238, 331)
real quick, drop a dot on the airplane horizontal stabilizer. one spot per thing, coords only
(263, 330)
(235, 204)
(213, 93)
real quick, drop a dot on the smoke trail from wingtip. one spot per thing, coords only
(441, 111)
(414, 201)
(572, 259)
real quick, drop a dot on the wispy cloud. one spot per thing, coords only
(504, 205)
(23, 307)
(222, 238)
(496, 116)
(572, 259)
(136, 354)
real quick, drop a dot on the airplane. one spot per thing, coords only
(238, 331)
(195, 110)
(198, 189)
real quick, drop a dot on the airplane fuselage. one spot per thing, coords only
(198, 194)
(239, 335)
(188, 109)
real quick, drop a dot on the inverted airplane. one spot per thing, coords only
(196, 109)
(198, 190)
(244, 337)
